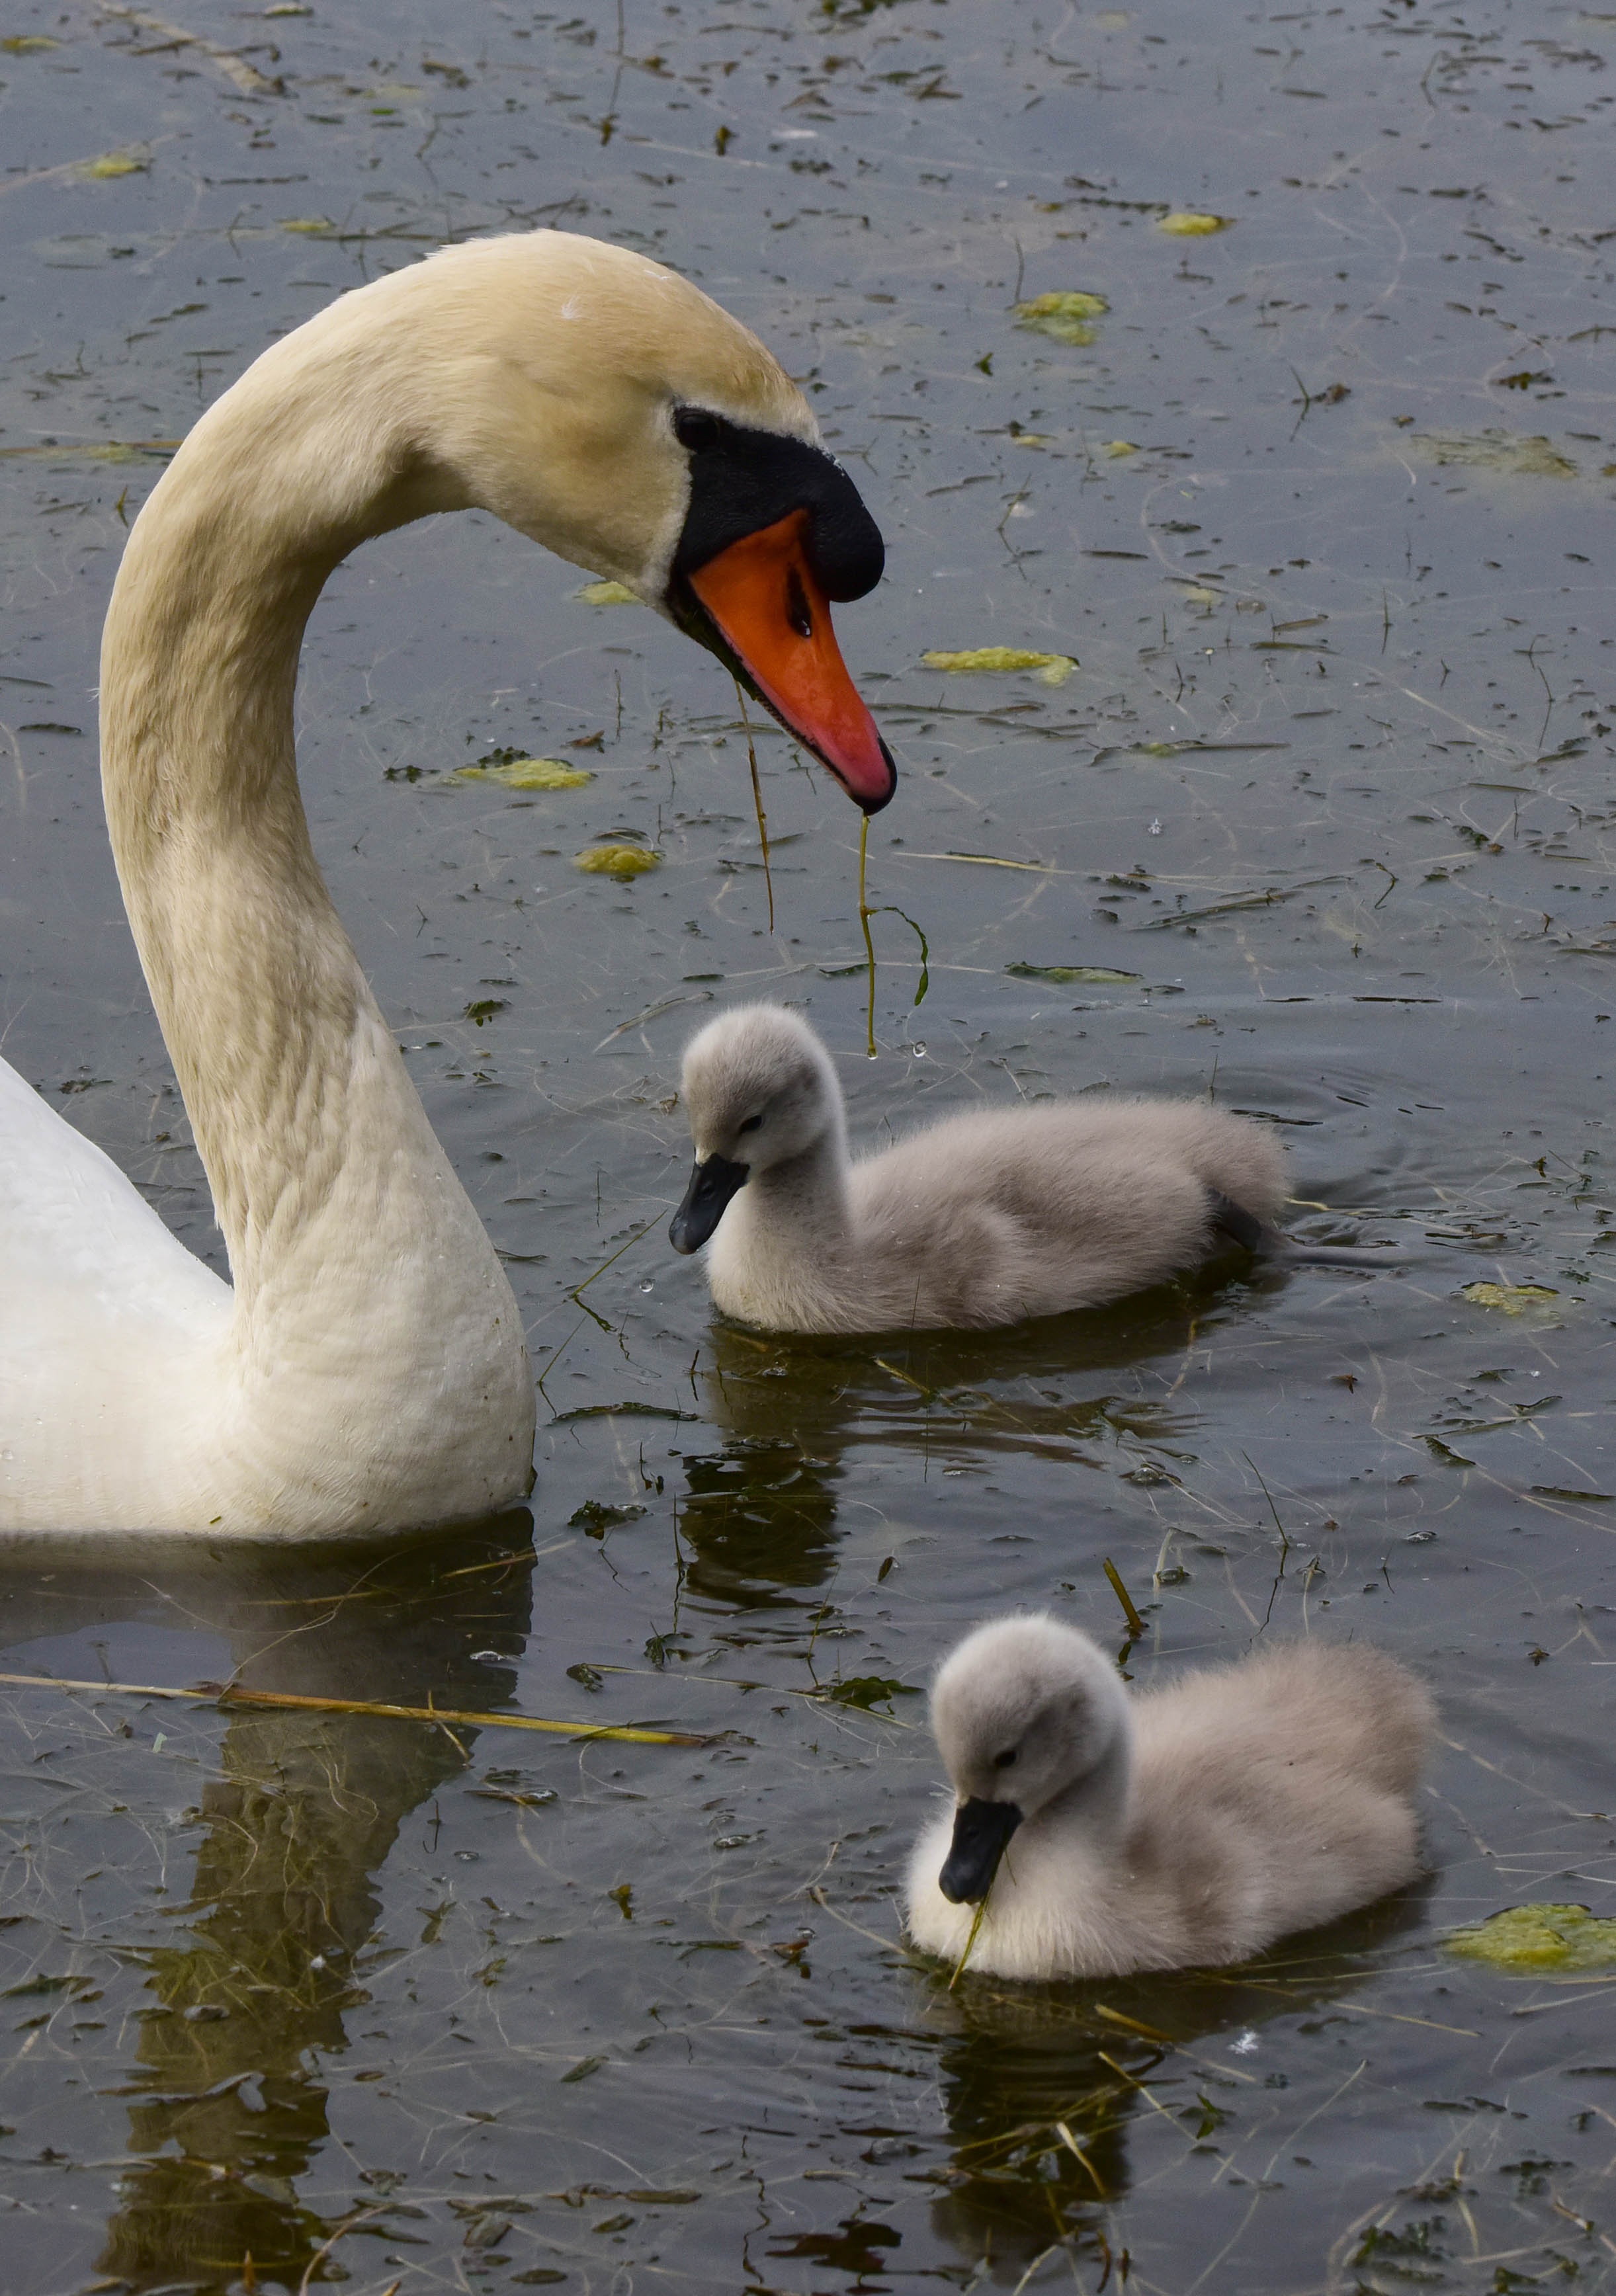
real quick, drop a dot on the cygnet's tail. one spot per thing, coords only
(1265, 1243)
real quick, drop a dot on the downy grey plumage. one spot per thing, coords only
(978, 1219)
(1160, 1829)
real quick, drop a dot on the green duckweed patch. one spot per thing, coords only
(621, 861)
(1512, 1298)
(1066, 316)
(1062, 975)
(1533, 1937)
(526, 773)
(1053, 668)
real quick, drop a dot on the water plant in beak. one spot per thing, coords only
(981, 1830)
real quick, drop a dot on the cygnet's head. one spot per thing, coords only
(1022, 1710)
(759, 1089)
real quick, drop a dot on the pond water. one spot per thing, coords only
(1322, 511)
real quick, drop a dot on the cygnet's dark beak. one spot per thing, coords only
(711, 1186)
(981, 1829)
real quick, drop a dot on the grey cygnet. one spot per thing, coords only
(980, 1219)
(1163, 1829)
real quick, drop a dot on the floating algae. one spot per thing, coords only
(622, 861)
(311, 226)
(1065, 316)
(1096, 976)
(1517, 455)
(526, 773)
(1533, 1937)
(1053, 668)
(1514, 1299)
(1184, 224)
(114, 163)
(606, 593)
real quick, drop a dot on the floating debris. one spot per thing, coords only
(113, 163)
(622, 861)
(526, 773)
(1183, 222)
(1533, 1937)
(1065, 316)
(1514, 1299)
(231, 1694)
(28, 44)
(1096, 976)
(1053, 668)
(105, 450)
(1517, 455)
(1119, 446)
(606, 593)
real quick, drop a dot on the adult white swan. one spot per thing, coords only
(366, 1370)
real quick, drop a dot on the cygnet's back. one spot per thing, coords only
(978, 1219)
(1192, 1825)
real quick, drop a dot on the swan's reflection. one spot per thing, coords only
(1042, 2086)
(227, 2104)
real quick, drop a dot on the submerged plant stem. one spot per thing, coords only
(225, 1694)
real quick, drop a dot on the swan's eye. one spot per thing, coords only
(1003, 1761)
(750, 1125)
(693, 428)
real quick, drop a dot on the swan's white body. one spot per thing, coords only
(365, 1371)
(1179, 1827)
(978, 1219)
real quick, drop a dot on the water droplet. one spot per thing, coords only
(919, 1051)
(1155, 829)
(646, 1285)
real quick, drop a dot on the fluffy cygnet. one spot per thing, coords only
(980, 1219)
(1167, 1829)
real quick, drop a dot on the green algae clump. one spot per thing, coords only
(1053, 668)
(1065, 316)
(621, 861)
(1534, 1937)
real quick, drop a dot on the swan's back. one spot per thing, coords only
(102, 1311)
(1027, 1211)
(1320, 1709)
(1274, 1795)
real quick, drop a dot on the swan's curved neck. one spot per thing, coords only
(326, 1177)
(1099, 1802)
(805, 1199)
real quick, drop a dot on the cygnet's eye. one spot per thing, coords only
(1003, 1761)
(752, 1124)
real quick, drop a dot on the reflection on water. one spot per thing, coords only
(1045, 2087)
(228, 2102)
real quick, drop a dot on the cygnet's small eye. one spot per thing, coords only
(752, 1124)
(1003, 1761)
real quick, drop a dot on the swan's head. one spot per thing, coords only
(1024, 1710)
(759, 1089)
(608, 409)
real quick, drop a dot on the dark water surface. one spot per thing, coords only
(435, 2009)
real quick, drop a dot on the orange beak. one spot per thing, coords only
(774, 619)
